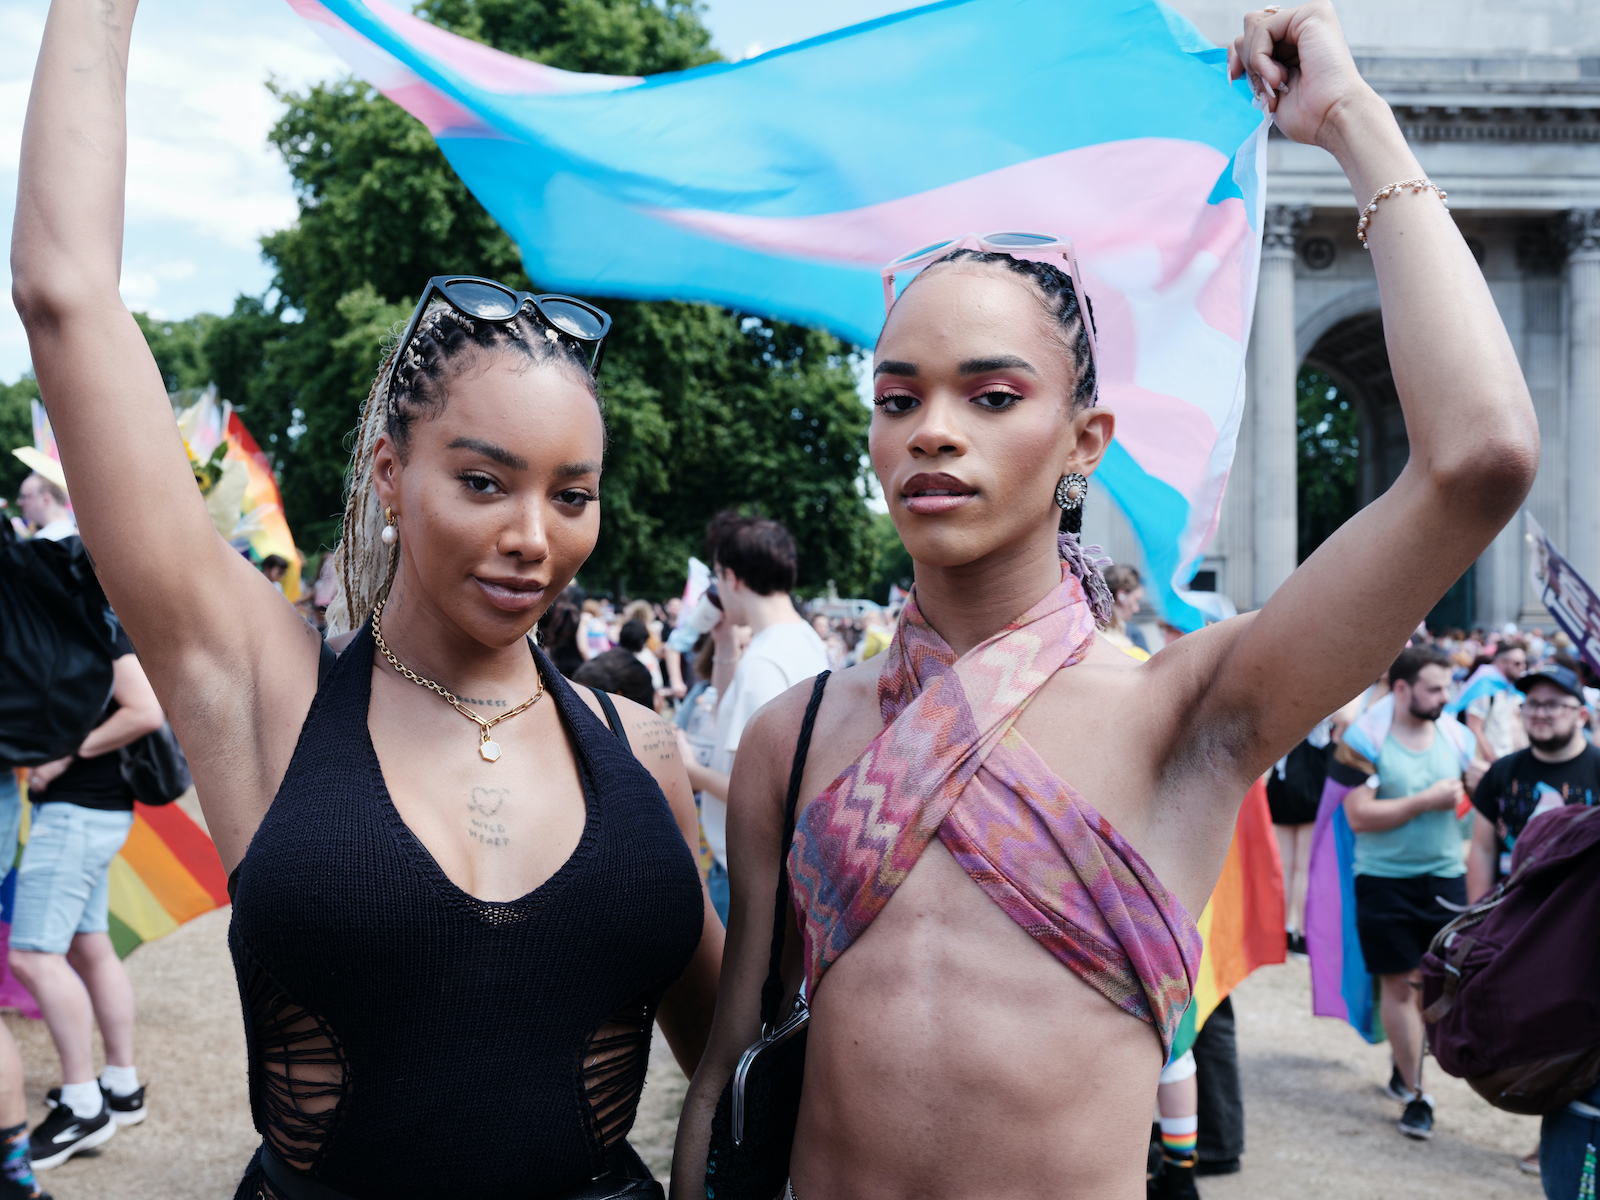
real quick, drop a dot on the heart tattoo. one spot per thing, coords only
(487, 800)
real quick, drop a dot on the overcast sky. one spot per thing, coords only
(202, 184)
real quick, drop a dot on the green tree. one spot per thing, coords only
(16, 429)
(1330, 446)
(707, 409)
(179, 348)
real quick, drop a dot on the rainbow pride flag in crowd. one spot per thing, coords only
(779, 185)
(244, 502)
(1242, 924)
(167, 873)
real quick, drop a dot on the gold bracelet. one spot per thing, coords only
(1416, 185)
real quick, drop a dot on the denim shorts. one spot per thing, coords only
(64, 879)
(10, 819)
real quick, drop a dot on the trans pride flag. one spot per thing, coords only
(779, 185)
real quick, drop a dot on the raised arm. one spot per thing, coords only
(1473, 437)
(221, 647)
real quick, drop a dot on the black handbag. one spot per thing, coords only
(752, 1130)
(154, 767)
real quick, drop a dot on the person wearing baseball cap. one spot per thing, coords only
(1558, 767)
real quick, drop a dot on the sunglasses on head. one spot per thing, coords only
(1014, 243)
(487, 300)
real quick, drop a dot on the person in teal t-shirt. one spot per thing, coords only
(1408, 862)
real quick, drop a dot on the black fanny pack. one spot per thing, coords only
(628, 1179)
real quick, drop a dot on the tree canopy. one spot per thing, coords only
(707, 409)
(1330, 447)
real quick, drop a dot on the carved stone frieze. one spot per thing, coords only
(1281, 227)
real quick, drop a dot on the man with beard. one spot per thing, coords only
(1558, 767)
(1408, 860)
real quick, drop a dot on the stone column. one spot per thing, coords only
(1583, 392)
(1274, 365)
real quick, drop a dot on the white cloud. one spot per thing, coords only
(203, 185)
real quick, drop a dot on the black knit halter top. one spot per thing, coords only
(409, 1040)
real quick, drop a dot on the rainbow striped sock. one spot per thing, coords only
(1178, 1137)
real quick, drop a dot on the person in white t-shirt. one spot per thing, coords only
(755, 565)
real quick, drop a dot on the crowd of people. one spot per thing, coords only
(471, 874)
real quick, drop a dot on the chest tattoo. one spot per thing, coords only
(482, 804)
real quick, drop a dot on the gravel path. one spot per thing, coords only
(1317, 1124)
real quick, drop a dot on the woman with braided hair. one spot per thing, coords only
(465, 890)
(1004, 824)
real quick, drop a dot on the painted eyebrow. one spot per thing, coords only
(891, 367)
(572, 470)
(491, 451)
(1005, 362)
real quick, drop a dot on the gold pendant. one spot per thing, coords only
(490, 750)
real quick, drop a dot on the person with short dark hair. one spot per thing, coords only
(1494, 719)
(619, 672)
(1408, 865)
(1557, 768)
(756, 564)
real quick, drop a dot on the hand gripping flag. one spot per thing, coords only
(781, 184)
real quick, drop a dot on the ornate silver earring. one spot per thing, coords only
(1071, 491)
(391, 533)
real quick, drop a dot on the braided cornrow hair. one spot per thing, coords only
(1061, 302)
(444, 342)
(1060, 299)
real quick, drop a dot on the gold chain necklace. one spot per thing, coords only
(488, 747)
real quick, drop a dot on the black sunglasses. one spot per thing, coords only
(486, 300)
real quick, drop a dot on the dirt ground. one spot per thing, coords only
(1317, 1124)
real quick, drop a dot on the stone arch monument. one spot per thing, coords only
(1502, 105)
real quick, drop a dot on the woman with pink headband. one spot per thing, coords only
(1003, 794)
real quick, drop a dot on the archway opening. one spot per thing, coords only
(1352, 443)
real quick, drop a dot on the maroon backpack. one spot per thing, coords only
(1512, 985)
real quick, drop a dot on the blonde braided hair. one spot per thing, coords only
(365, 566)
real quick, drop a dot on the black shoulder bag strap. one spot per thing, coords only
(772, 989)
(612, 719)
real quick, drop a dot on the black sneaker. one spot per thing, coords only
(125, 1110)
(63, 1133)
(1418, 1119)
(1297, 947)
(1174, 1181)
(1397, 1089)
(1217, 1166)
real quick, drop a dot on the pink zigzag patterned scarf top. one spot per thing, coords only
(950, 764)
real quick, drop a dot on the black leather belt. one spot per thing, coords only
(621, 1183)
(291, 1184)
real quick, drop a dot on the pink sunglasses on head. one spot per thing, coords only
(1016, 244)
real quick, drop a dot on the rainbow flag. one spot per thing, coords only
(1242, 922)
(167, 873)
(254, 509)
(781, 184)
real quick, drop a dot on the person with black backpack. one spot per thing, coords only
(61, 946)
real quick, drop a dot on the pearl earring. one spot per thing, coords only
(390, 534)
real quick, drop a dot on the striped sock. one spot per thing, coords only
(16, 1170)
(1178, 1137)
